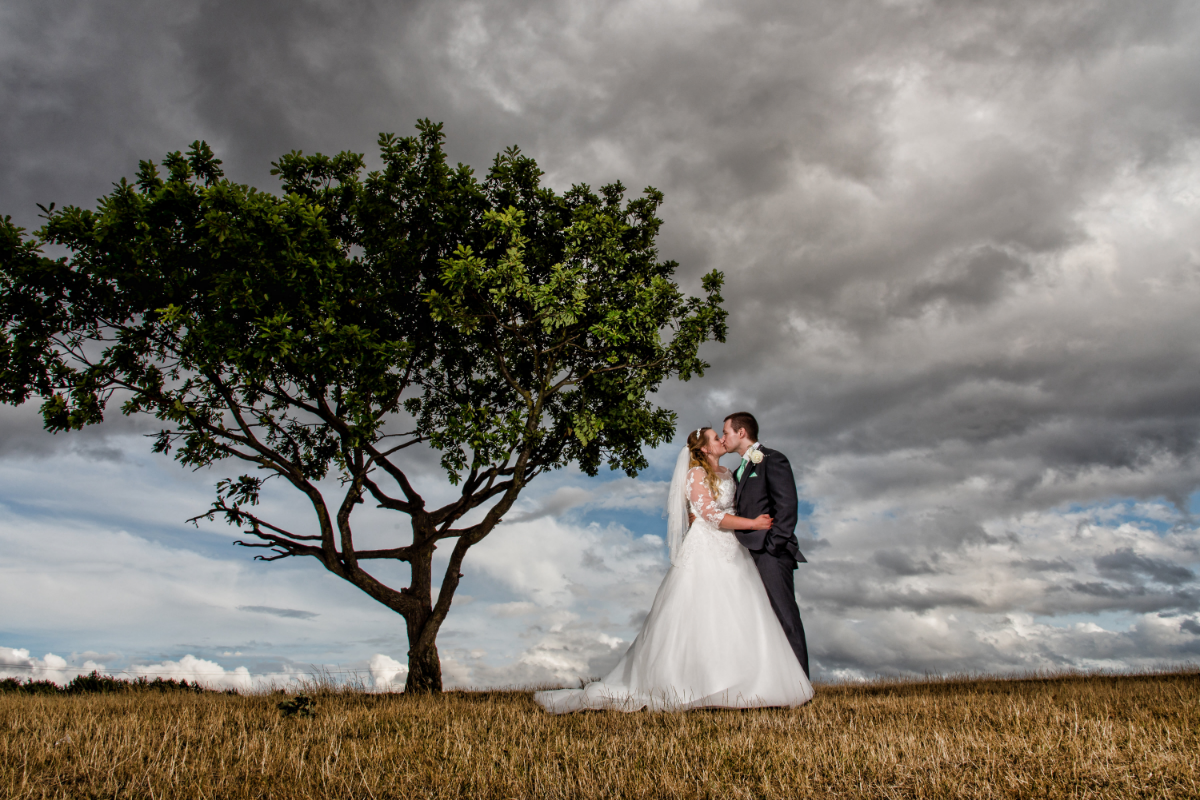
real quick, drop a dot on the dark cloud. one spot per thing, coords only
(287, 613)
(900, 563)
(555, 504)
(1134, 598)
(22, 435)
(1042, 565)
(959, 240)
(593, 561)
(975, 279)
(896, 644)
(1127, 566)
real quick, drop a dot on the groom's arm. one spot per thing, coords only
(781, 484)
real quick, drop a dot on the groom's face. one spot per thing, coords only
(730, 438)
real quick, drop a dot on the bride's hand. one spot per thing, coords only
(761, 523)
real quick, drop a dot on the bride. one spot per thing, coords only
(711, 639)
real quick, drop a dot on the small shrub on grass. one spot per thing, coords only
(95, 683)
(299, 706)
(169, 685)
(40, 687)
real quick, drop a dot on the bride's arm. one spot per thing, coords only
(702, 502)
(760, 523)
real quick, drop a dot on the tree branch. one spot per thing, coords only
(385, 500)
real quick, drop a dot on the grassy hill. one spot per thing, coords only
(1064, 736)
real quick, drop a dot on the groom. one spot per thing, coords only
(765, 486)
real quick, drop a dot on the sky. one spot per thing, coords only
(961, 243)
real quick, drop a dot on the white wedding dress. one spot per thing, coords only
(711, 639)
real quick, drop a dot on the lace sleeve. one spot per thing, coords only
(701, 499)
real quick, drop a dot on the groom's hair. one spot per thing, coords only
(744, 421)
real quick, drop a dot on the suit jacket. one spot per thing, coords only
(769, 488)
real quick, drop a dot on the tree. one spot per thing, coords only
(322, 332)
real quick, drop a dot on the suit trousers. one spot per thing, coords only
(779, 578)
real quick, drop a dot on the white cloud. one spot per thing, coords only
(387, 673)
(136, 589)
(516, 608)
(17, 663)
(213, 676)
(552, 563)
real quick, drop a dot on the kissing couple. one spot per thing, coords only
(724, 630)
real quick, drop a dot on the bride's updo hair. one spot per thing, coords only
(697, 439)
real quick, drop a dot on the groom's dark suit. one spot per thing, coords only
(769, 488)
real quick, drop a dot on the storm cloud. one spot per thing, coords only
(962, 260)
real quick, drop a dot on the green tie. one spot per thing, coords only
(742, 468)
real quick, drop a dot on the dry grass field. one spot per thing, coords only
(1065, 736)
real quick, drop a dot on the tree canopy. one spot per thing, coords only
(322, 331)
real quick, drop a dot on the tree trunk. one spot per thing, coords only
(424, 666)
(424, 670)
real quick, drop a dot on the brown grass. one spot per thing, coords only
(1066, 736)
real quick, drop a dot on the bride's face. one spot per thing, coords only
(714, 446)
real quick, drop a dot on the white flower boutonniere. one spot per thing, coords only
(756, 457)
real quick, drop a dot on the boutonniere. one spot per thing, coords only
(756, 457)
